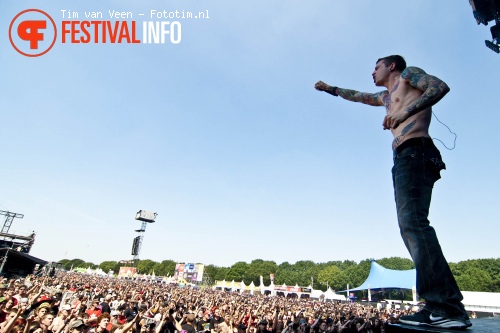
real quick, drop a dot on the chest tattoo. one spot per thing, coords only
(388, 98)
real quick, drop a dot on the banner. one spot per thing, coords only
(189, 272)
(127, 271)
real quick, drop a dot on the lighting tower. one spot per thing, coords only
(9, 217)
(145, 217)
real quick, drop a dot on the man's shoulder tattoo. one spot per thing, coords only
(408, 72)
(414, 75)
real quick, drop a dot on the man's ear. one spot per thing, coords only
(392, 66)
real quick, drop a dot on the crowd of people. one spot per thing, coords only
(79, 303)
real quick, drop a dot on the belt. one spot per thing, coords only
(414, 142)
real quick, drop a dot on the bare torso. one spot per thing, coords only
(401, 97)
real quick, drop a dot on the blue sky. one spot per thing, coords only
(224, 136)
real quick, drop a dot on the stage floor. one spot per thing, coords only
(481, 325)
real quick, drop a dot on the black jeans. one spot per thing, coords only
(416, 168)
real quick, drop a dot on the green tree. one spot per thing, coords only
(64, 264)
(76, 263)
(90, 264)
(106, 266)
(347, 263)
(258, 268)
(356, 275)
(210, 271)
(146, 266)
(306, 269)
(165, 268)
(221, 273)
(286, 274)
(475, 279)
(334, 276)
(473, 275)
(239, 272)
(490, 266)
(396, 263)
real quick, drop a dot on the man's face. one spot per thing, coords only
(381, 73)
(104, 322)
(47, 321)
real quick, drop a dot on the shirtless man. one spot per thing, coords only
(408, 100)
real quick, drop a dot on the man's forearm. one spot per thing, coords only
(361, 97)
(332, 90)
(431, 96)
(353, 95)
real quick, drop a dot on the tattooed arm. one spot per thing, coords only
(362, 97)
(353, 95)
(434, 89)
